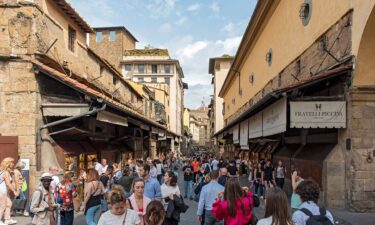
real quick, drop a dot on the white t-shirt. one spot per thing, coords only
(167, 190)
(108, 218)
(55, 182)
(3, 186)
(99, 168)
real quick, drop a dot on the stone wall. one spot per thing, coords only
(361, 160)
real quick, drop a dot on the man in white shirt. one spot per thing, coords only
(98, 166)
(55, 179)
(214, 164)
(104, 165)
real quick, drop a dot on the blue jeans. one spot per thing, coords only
(91, 215)
(67, 218)
(188, 188)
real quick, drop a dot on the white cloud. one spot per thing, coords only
(215, 7)
(229, 27)
(194, 7)
(190, 50)
(229, 45)
(161, 8)
(181, 21)
(165, 28)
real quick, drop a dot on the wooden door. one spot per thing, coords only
(9, 147)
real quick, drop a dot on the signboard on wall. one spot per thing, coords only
(255, 126)
(274, 118)
(327, 114)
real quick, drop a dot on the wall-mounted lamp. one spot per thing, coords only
(269, 57)
(305, 12)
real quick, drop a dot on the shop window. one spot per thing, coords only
(71, 38)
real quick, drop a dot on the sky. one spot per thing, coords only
(192, 30)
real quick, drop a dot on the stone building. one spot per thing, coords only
(201, 127)
(218, 68)
(301, 90)
(60, 102)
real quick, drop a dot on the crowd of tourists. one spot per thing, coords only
(147, 193)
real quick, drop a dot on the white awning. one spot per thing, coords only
(322, 114)
(274, 118)
(109, 117)
(64, 109)
(244, 134)
(235, 132)
(255, 126)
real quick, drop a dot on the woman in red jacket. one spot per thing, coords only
(234, 205)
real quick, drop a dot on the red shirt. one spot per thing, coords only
(195, 165)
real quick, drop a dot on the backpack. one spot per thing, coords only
(321, 219)
(207, 168)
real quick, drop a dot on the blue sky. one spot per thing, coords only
(192, 30)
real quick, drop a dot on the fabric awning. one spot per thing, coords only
(109, 117)
(235, 132)
(244, 134)
(63, 109)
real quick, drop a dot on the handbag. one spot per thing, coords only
(19, 204)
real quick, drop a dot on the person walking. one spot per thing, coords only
(258, 181)
(207, 198)
(214, 164)
(280, 174)
(93, 196)
(195, 165)
(7, 188)
(155, 213)
(169, 191)
(18, 182)
(277, 210)
(119, 214)
(65, 192)
(232, 169)
(188, 179)
(43, 202)
(268, 175)
(234, 205)
(138, 201)
(223, 176)
(126, 181)
(152, 186)
(309, 192)
(117, 173)
(159, 170)
(296, 180)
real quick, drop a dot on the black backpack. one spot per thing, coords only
(321, 219)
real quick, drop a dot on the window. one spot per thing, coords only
(141, 68)
(167, 80)
(141, 79)
(128, 67)
(112, 36)
(71, 38)
(114, 80)
(154, 79)
(154, 68)
(98, 36)
(167, 68)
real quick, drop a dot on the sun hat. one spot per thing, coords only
(46, 176)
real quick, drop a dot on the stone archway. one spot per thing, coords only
(365, 62)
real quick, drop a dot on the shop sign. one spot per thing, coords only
(328, 114)
(255, 126)
(244, 134)
(274, 118)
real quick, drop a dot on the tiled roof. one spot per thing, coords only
(68, 9)
(87, 87)
(147, 52)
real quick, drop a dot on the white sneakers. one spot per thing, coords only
(9, 222)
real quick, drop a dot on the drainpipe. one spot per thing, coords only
(42, 134)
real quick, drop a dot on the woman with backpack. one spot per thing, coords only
(6, 188)
(94, 190)
(20, 182)
(235, 205)
(277, 210)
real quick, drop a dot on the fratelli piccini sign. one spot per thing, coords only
(327, 114)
